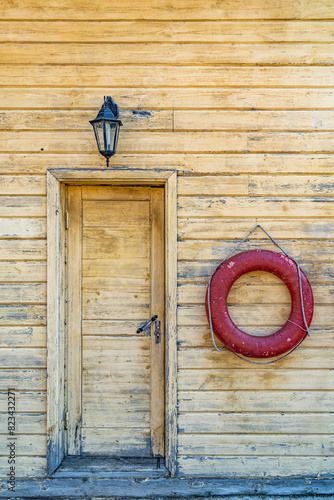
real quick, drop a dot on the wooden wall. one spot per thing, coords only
(237, 95)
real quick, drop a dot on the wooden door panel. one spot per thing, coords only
(122, 276)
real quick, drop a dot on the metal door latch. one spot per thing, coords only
(146, 324)
(157, 332)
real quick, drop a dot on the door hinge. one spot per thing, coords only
(66, 220)
(66, 420)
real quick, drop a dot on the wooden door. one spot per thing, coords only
(115, 270)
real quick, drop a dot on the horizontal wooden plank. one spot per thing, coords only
(24, 293)
(116, 193)
(116, 400)
(76, 120)
(22, 184)
(23, 358)
(299, 250)
(233, 229)
(169, 10)
(150, 53)
(23, 315)
(255, 401)
(109, 327)
(21, 249)
(23, 271)
(25, 423)
(256, 423)
(248, 316)
(257, 185)
(227, 185)
(29, 445)
(166, 31)
(21, 379)
(184, 163)
(199, 272)
(259, 467)
(253, 120)
(25, 467)
(32, 402)
(243, 292)
(210, 359)
(256, 445)
(116, 420)
(170, 141)
(200, 336)
(119, 442)
(148, 76)
(22, 336)
(171, 98)
(255, 207)
(23, 206)
(293, 185)
(260, 379)
(23, 228)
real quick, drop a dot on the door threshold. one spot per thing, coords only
(107, 467)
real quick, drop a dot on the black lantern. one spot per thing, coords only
(106, 127)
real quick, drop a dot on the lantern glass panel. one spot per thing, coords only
(98, 127)
(111, 136)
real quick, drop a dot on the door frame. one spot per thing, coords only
(57, 180)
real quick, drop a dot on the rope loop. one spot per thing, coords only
(300, 291)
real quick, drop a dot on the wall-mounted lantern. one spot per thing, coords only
(106, 127)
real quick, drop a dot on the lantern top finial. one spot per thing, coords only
(108, 111)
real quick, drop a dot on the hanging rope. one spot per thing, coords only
(300, 291)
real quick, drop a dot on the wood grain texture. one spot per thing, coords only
(166, 31)
(254, 9)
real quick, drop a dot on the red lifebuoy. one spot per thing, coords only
(235, 339)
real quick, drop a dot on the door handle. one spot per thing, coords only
(144, 326)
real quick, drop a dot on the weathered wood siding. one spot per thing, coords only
(238, 96)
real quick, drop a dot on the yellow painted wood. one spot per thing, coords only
(157, 303)
(23, 206)
(171, 142)
(198, 54)
(23, 315)
(166, 31)
(22, 228)
(254, 315)
(77, 120)
(244, 292)
(21, 271)
(157, 9)
(300, 250)
(290, 207)
(200, 163)
(259, 379)
(250, 401)
(255, 445)
(170, 98)
(254, 120)
(73, 315)
(23, 293)
(237, 228)
(210, 359)
(70, 75)
(25, 184)
(22, 249)
(199, 272)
